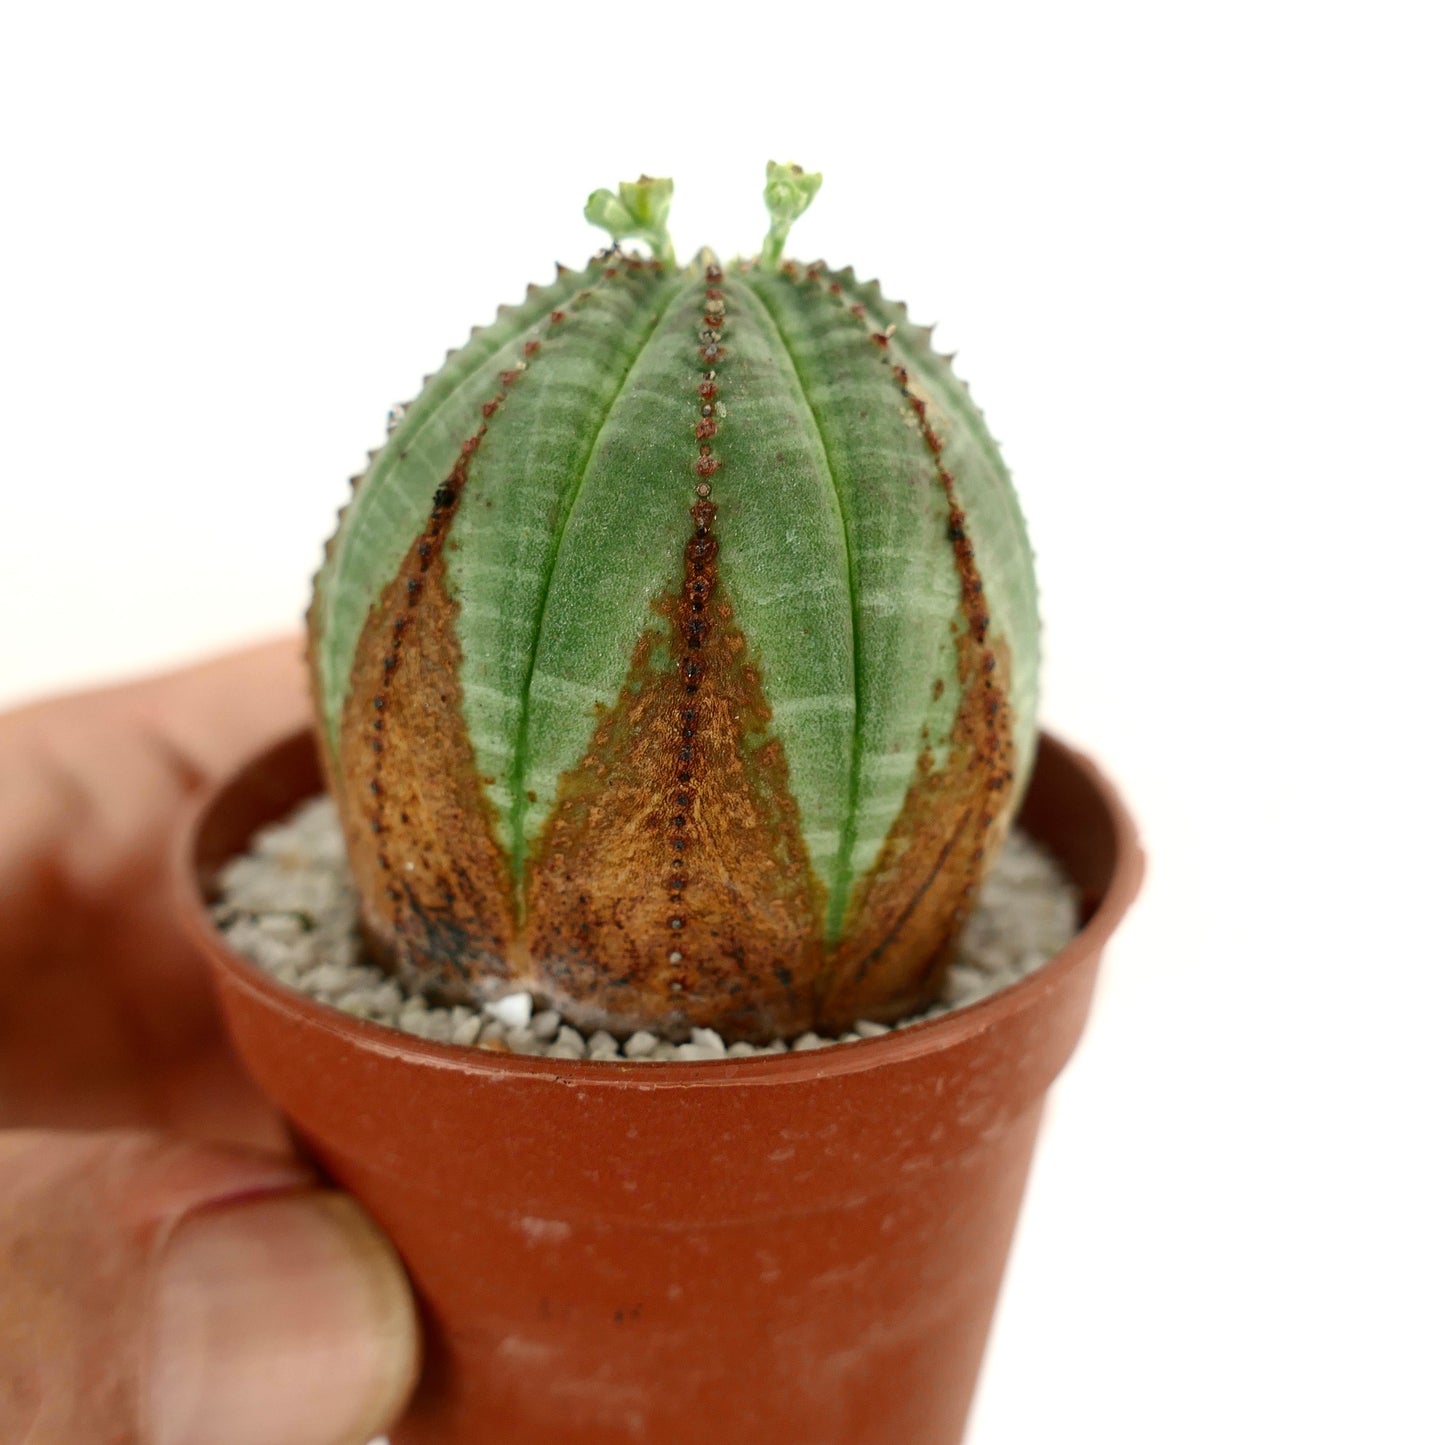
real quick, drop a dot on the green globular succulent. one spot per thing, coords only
(676, 658)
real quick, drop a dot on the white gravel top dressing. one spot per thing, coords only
(289, 906)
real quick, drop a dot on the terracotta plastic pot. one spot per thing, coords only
(798, 1249)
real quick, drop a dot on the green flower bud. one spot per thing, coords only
(788, 193)
(640, 211)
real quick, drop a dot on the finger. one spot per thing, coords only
(91, 779)
(218, 713)
(105, 1017)
(180, 1294)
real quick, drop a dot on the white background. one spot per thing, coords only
(1190, 257)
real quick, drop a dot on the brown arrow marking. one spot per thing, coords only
(671, 888)
(905, 912)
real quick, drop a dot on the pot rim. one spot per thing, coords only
(899, 1045)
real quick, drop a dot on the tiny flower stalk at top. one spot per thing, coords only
(676, 657)
(788, 193)
(639, 210)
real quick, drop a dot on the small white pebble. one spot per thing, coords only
(520, 1041)
(807, 1041)
(640, 1045)
(545, 1025)
(232, 877)
(571, 1039)
(466, 1031)
(330, 978)
(741, 1050)
(867, 1029)
(387, 999)
(565, 1049)
(282, 926)
(272, 953)
(705, 1044)
(962, 984)
(493, 1030)
(991, 960)
(514, 1010)
(602, 1045)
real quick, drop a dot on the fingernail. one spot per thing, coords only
(285, 1320)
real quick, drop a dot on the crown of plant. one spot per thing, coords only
(676, 657)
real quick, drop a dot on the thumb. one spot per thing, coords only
(177, 1293)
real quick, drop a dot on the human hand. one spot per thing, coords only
(169, 1273)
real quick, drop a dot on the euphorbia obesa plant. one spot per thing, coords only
(676, 657)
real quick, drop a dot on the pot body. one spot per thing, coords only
(801, 1249)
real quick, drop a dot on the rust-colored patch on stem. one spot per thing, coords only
(905, 912)
(671, 888)
(434, 892)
